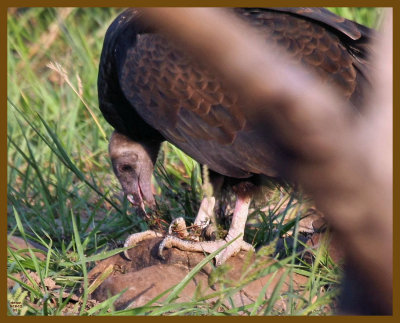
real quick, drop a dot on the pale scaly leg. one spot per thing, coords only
(237, 227)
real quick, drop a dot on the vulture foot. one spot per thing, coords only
(178, 227)
(135, 238)
(206, 246)
(178, 231)
(236, 230)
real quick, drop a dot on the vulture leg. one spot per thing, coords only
(237, 228)
(204, 216)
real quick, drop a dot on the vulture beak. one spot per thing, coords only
(140, 193)
(135, 199)
(133, 166)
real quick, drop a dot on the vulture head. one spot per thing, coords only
(133, 164)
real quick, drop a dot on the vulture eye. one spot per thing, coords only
(125, 168)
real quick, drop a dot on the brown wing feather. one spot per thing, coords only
(176, 93)
(347, 27)
(334, 48)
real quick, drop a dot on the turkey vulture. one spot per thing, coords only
(150, 90)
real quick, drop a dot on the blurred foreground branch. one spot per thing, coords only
(344, 161)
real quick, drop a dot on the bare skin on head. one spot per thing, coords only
(133, 165)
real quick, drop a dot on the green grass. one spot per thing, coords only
(62, 193)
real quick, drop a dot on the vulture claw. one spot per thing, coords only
(232, 250)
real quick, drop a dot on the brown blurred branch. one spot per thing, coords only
(344, 161)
